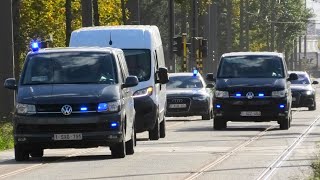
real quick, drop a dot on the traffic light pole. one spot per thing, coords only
(184, 41)
(171, 34)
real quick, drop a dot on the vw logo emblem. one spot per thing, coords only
(250, 95)
(66, 110)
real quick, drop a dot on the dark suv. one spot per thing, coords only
(74, 98)
(252, 86)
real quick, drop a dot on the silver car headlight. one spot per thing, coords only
(279, 94)
(25, 109)
(222, 94)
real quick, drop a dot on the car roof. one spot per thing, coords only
(80, 49)
(252, 54)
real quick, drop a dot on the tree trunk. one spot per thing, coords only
(96, 15)
(68, 21)
(17, 38)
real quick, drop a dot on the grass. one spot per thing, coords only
(6, 136)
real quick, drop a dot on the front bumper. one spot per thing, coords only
(193, 107)
(235, 109)
(96, 130)
(302, 100)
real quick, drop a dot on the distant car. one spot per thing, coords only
(303, 94)
(187, 95)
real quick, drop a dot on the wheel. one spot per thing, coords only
(119, 149)
(314, 107)
(131, 143)
(286, 123)
(206, 117)
(163, 128)
(37, 153)
(20, 153)
(219, 123)
(154, 134)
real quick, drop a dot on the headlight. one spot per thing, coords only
(25, 109)
(278, 94)
(307, 92)
(222, 94)
(143, 92)
(199, 98)
(109, 107)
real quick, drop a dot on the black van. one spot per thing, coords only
(252, 86)
(74, 98)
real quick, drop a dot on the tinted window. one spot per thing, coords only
(251, 67)
(139, 63)
(70, 68)
(302, 79)
(184, 82)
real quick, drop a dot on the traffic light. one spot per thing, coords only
(178, 46)
(204, 48)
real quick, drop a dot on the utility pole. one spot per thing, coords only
(134, 8)
(299, 55)
(194, 32)
(123, 9)
(6, 56)
(247, 26)
(68, 21)
(272, 25)
(241, 26)
(86, 7)
(171, 34)
(229, 24)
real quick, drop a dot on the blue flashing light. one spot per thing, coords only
(102, 106)
(195, 72)
(35, 46)
(83, 109)
(114, 124)
(218, 106)
(281, 106)
(238, 94)
(261, 95)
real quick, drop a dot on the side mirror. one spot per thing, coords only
(10, 83)
(163, 75)
(210, 77)
(292, 77)
(315, 82)
(210, 86)
(131, 81)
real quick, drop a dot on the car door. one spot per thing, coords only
(126, 96)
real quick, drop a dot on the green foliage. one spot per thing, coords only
(6, 136)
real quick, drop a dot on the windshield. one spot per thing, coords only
(70, 68)
(251, 67)
(184, 82)
(302, 79)
(139, 63)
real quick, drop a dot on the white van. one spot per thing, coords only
(143, 49)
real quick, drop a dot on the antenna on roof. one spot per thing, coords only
(110, 42)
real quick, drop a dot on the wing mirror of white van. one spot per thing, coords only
(10, 83)
(163, 75)
(210, 77)
(131, 81)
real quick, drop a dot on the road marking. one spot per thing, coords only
(267, 173)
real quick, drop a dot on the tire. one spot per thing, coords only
(206, 117)
(37, 153)
(163, 128)
(154, 134)
(119, 149)
(286, 123)
(131, 143)
(219, 123)
(314, 107)
(20, 153)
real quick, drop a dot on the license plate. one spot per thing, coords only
(67, 137)
(250, 113)
(177, 106)
(294, 99)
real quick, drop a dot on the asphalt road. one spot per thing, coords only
(191, 150)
